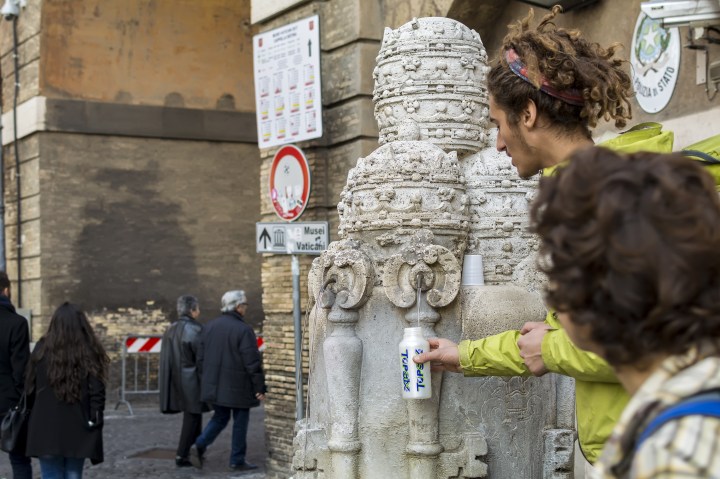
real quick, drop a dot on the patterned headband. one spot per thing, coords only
(573, 96)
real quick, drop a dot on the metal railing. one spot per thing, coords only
(139, 348)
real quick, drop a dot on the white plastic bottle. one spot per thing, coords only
(415, 377)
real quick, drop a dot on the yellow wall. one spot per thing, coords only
(192, 53)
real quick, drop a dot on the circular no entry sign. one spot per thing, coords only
(289, 182)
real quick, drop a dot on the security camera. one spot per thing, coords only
(677, 13)
(11, 8)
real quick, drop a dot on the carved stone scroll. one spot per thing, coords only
(424, 266)
(434, 270)
(345, 276)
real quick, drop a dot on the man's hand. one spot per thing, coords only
(259, 396)
(443, 354)
(530, 344)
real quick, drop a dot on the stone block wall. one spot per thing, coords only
(350, 32)
(138, 167)
(28, 150)
(132, 222)
(123, 226)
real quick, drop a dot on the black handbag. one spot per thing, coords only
(13, 430)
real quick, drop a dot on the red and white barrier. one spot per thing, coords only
(143, 344)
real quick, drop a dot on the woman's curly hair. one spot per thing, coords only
(568, 62)
(631, 248)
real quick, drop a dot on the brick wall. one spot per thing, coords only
(128, 222)
(123, 225)
(349, 43)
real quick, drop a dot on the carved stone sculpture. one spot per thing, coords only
(431, 193)
(430, 85)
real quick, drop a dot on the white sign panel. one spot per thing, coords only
(310, 237)
(655, 58)
(287, 83)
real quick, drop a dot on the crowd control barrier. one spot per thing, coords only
(141, 376)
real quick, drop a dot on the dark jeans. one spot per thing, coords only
(191, 429)
(20, 466)
(58, 467)
(217, 423)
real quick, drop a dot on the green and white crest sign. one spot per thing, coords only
(655, 59)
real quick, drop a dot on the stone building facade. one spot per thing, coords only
(138, 160)
(140, 177)
(351, 31)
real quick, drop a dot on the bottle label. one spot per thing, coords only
(420, 372)
(405, 357)
(413, 377)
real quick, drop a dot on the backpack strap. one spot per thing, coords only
(704, 404)
(700, 156)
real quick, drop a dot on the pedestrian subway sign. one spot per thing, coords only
(309, 237)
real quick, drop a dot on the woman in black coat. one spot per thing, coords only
(66, 377)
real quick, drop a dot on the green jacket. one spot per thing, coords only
(599, 398)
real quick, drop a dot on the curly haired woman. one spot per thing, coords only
(549, 87)
(67, 375)
(631, 250)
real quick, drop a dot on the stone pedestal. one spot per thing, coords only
(432, 192)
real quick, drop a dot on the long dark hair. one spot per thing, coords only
(72, 352)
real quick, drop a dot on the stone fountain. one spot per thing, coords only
(434, 191)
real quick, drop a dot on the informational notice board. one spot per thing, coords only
(287, 83)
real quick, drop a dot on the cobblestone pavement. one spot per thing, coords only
(153, 436)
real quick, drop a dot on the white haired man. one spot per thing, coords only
(232, 377)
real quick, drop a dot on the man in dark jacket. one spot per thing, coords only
(14, 354)
(232, 376)
(180, 375)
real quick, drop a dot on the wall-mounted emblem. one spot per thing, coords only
(655, 58)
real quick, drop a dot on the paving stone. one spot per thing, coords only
(126, 436)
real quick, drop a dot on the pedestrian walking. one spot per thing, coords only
(14, 354)
(232, 377)
(180, 376)
(66, 378)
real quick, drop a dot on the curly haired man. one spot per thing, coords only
(630, 248)
(549, 87)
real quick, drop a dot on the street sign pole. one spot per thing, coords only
(289, 189)
(309, 238)
(299, 403)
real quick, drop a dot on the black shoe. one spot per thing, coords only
(244, 466)
(197, 455)
(183, 462)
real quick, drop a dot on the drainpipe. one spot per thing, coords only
(10, 11)
(3, 265)
(17, 163)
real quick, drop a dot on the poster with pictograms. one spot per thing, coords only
(286, 64)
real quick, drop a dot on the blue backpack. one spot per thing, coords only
(704, 404)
